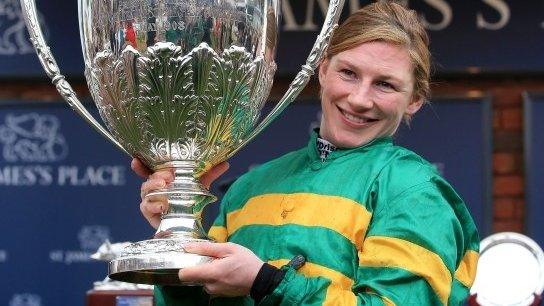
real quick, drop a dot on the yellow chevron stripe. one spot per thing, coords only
(387, 302)
(314, 270)
(393, 252)
(466, 272)
(340, 284)
(339, 214)
(218, 233)
(339, 296)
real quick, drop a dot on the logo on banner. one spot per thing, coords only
(35, 140)
(25, 299)
(90, 238)
(13, 35)
(32, 137)
(3, 256)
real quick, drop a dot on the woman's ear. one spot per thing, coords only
(323, 70)
(412, 108)
(414, 105)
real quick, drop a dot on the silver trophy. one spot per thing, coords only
(179, 84)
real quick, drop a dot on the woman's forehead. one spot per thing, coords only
(380, 57)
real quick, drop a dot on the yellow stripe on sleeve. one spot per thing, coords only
(339, 296)
(339, 214)
(391, 252)
(386, 301)
(218, 233)
(340, 284)
(466, 272)
(339, 291)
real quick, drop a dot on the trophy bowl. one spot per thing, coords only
(179, 84)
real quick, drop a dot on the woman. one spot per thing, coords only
(351, 219)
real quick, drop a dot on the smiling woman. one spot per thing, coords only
(351, 219)
(376, 73)
(366, 91)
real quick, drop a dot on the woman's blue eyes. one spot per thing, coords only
(385, 84)
(347, 72)
(351, 75)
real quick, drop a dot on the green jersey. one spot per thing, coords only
(377, 225)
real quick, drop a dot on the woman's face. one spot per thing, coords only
(366, 92)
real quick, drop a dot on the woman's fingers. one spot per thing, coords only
(139, 168)
(154, 205)
(152, 208)
(231, 273)
(157, 180)
(209, 177)
(201, 274)
(212, 249)
(150, 185)
(143, 171)
(168, 174)
(164, 174)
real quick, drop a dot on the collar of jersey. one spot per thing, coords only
(339, 152)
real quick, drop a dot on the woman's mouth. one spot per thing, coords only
(359, 120)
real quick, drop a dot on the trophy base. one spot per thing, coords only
(155, 262)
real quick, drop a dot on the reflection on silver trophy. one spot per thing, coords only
(179, 84)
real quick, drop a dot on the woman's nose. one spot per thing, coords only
(361, 97)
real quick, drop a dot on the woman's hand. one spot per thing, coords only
(232, 273)
(152, 207)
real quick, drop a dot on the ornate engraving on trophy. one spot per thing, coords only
(166, 106)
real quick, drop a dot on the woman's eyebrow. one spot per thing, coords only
(346, 63)
(384, 76)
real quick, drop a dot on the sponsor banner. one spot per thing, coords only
(473, 36)
(534, 166)
(65, 190)
(466, 36)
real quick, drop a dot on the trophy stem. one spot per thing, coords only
(186, 199)
(158, 260)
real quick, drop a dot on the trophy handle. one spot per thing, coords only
(303, 76)
(52, 70)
